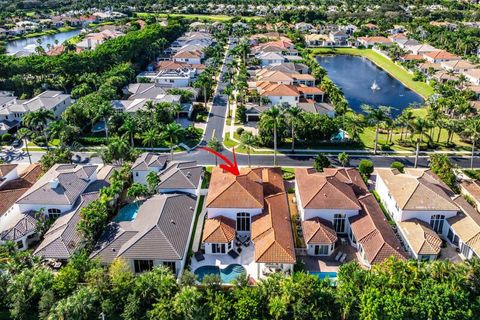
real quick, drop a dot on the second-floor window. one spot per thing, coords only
(243, 221)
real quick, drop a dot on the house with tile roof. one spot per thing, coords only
(183, 177)
(373, 41)
(148, 162)
(159, 234)
(56, 194)
(12, 110)
(249, 210)
(269, 58)
(440, 56)
(426, 211)
(189, 56)
(336, 203)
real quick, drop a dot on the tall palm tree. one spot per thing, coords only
(420, 126)
(294, 117)
(172, 132)
(247, 141)
(175, 109)
(274, 117)
(150, 137)
(404, 120)
(24, 134)
(376, 116)
(38, 120)
(473, 131)
(130, 127)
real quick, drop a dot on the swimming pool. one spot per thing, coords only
(324, 275)
(227, 274)
(128, 212)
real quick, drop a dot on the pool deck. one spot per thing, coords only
(328, 264)
(245, 259)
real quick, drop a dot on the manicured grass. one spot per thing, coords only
(389, 66)
(194, 16)
(197, 214)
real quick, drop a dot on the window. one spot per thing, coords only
(453, 238)
(436, 222)
(465, 250)
(54, 213)
(171, 265)
(218, 248)
(321, 249)
(136, 174)
(243, 221)
(339, 222)
(143, 265)
(20, 244)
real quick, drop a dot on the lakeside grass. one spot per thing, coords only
(386, 64)
(219, 18)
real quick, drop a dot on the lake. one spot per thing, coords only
(355, 76)
(30, 44)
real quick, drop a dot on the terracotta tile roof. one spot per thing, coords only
(279, 89)
(6, 169)
(422, 239)
(375, 39)
(272, 232)
(12, 190)
(417, 189)
(274, 76)
(466, 224)
(310, 90)
(398, 36)
(372, 231)
(410, 57)
(219, 230)
(321, 190)
(188, 54)
(229, 191)
(441, 54)
(472, 187)
(317, 230)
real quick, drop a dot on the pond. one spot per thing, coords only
(357, 77)
(30, 44)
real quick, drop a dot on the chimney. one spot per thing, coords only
(54, 183)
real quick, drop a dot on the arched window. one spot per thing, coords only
(54, 212)
(243, 221)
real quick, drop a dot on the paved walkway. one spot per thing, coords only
(199, 230)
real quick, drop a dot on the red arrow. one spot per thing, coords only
(228, 165)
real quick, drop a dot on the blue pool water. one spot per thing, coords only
(128, 212)
(227, 274)
(324, 275)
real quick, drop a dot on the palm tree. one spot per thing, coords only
(274, 117)
(38, 120)
(420, 126)
(215, 145)
(344, 159)
(130, 127)
(24, 134)
(294, 117)
(376, 116)
(473, 131)
(150, 138)
(175, 109)
(247, 141)
(172, 132)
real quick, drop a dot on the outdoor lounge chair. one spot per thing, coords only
(199, 256)
(232, 253)
(342, 259)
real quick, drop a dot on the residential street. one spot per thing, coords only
(215, 127)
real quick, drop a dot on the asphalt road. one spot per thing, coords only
(215, 127)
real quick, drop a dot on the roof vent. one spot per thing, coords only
(113, 249)
(54, 183)
(172, 222)
(189, 174)
(191, 208)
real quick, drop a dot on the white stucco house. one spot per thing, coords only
(148, 162)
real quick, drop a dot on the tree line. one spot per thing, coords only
(84, 290)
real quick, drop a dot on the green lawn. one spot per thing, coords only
(194, 16)
(389, 66)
